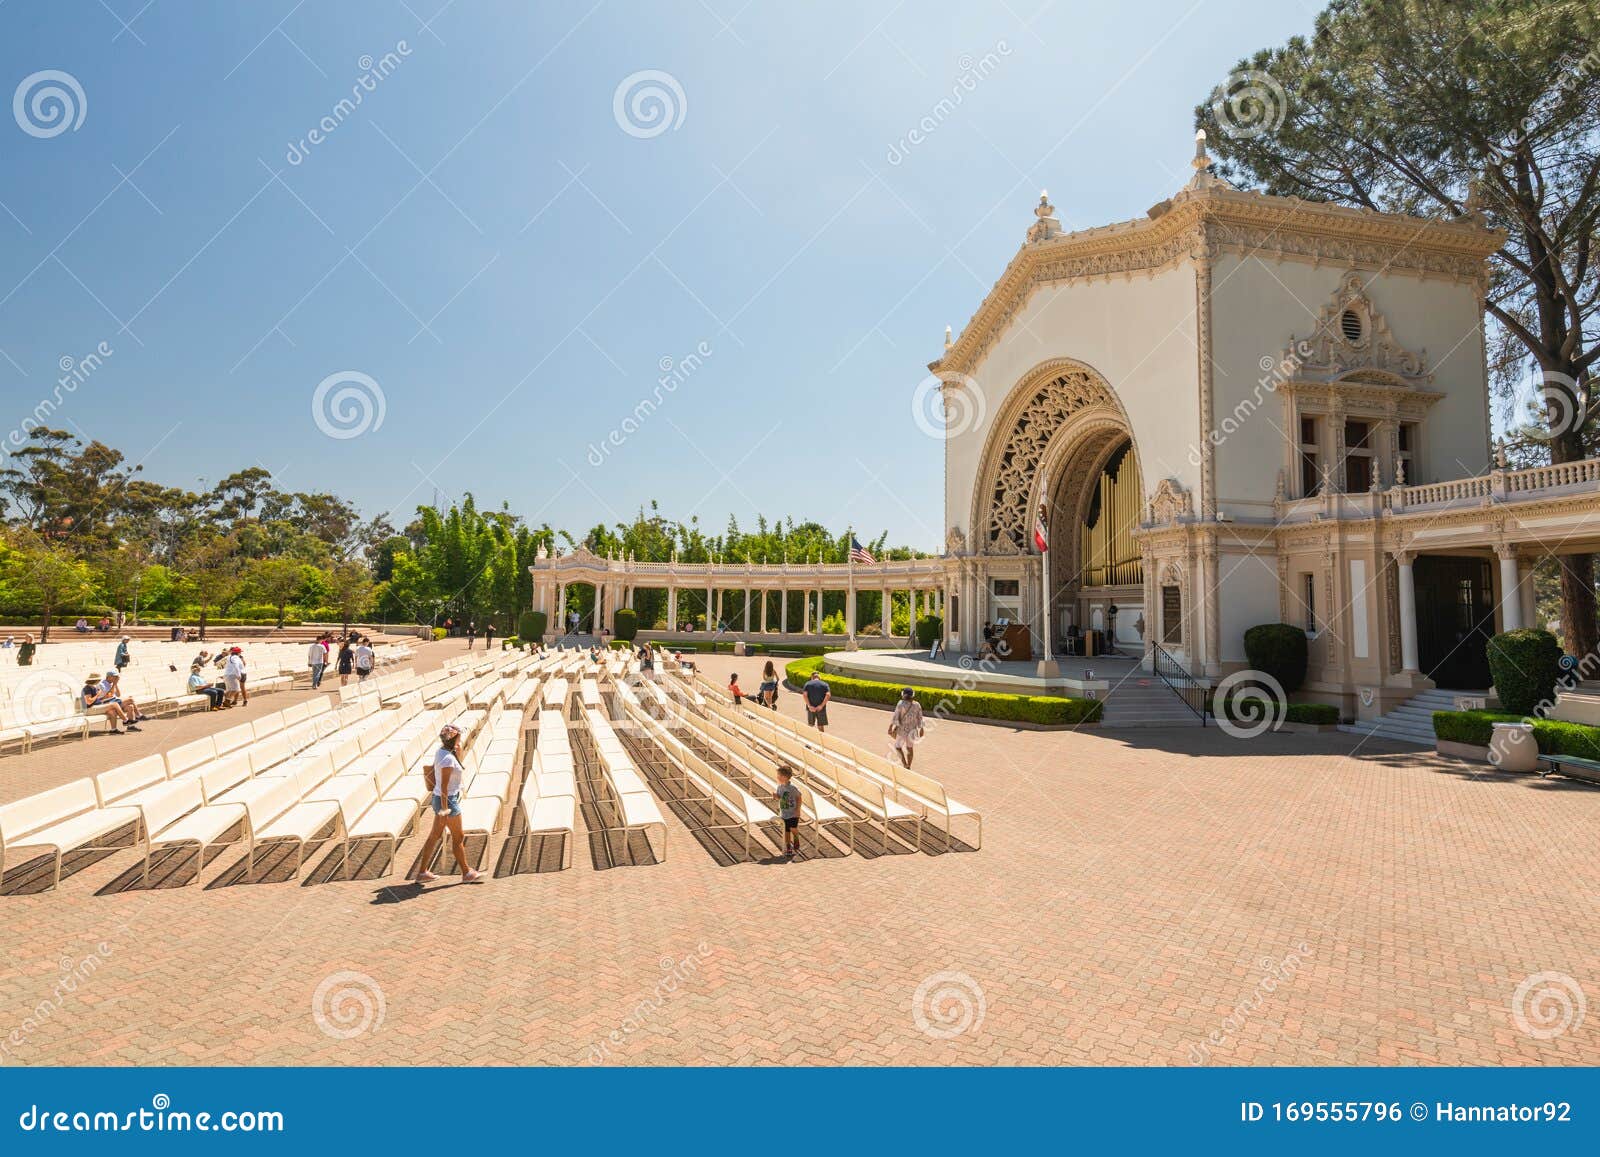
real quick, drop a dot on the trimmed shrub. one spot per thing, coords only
(941, 701)
(1553, 736)
(1525, 666)
(1279, 650)
(438, 633)
(1318, 713)
(625, 624)
(531, 625)
(929, 628)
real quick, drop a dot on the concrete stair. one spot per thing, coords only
(1411, 722)
(1580, 705)
(1143, 700)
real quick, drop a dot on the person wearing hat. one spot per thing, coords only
(104, 695)
(443, 777)
(906, 725)
(232, 677)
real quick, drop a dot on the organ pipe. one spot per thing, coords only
(1111, 556)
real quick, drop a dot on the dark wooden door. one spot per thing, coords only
(1455, 618)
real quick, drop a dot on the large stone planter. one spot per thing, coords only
(1513, 747)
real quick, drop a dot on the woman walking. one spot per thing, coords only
(444, 784)
(346, 661)
(767, 694)
(906, 725)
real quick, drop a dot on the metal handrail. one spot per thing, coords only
(1178, 680)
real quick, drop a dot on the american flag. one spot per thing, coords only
(859, 553)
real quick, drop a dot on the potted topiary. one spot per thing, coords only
(625, 624)
(1525, 666)
(531, 625)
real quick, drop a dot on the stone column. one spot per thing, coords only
(711, 618)
(744, 624)
(1408, 612)
(630, 597)
(672, 608)
(805, 612)
(1510, 595)
(763, 612)
(559, 619)
(1530, 599)
(883, 613)
(783, 609)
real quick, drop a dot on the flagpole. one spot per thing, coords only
(850, 595)
(1048, 667)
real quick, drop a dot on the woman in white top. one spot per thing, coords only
(444, 782)
(906, 725)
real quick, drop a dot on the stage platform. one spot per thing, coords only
(1079, 678)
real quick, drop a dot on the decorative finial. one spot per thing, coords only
(1400, 472)
(949, 338)
(1499, 453)
(1046, 226)
(1201, 161)
(1377, 482)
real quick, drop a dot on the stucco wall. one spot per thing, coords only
(1138, 333)
(1257, 304)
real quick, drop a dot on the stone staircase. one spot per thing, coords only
(1143, 700)
(1412, 721)
(1579, 705)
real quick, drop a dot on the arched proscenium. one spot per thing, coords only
(1058, 409)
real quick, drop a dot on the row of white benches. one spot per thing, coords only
(252, 777)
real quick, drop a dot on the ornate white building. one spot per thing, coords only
(1236, 409)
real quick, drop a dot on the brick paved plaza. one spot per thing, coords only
(1158, 897)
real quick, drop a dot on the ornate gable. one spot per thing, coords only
(1352, 342)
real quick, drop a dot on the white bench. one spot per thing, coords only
(65, 819)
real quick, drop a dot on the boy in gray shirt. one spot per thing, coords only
(788, 796)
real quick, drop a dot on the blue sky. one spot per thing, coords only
(509, 266)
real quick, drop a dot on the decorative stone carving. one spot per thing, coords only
(1352, 336)
(1012, 460)
(1170, 503)
(1046, 225)
(954, 541)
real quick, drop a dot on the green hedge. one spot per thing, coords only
(1319, 713)
(1046, 709)
(531, 625)
(1525, 666)
(1553, 736)
(929, 628)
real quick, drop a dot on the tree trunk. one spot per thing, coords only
(281, 607)
(1579, 629)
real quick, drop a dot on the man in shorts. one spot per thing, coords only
(817, 696)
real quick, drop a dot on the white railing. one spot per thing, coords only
(707, 573)
(1497, 484)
